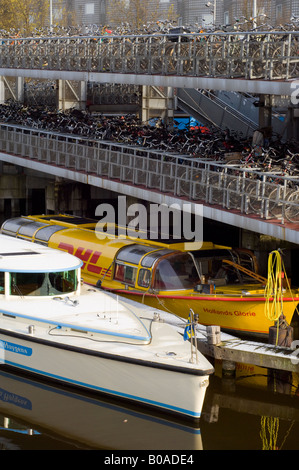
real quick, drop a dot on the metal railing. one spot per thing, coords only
(250, 55)
(228, 186)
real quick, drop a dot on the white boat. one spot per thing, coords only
(54, 327)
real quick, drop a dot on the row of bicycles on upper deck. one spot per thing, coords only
(261, 52)
(231, 160)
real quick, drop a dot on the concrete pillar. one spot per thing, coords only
(19, 89)
(69, 197)
(293, 124)
(265, 114)
(157, 102)
(169, 107)
(145, 116)
(70, 95)
(2, 90)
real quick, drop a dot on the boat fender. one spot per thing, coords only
(281, 334)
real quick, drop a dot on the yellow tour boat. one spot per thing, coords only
(218, 283)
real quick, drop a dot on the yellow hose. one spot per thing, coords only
(273, 288)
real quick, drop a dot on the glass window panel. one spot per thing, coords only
(176, 272)
(125, 273)
(43, 284)
(28, 229)
(1, 282)
(144, 278)
(45, 233)
(133, 253)
(13, 225)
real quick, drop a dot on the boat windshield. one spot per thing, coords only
(176, 272)
(1, 282)
(43, 284)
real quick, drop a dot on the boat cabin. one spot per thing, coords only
(144, 267)
(128, 262)
(36, 271)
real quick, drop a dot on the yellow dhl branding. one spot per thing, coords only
(89, 257)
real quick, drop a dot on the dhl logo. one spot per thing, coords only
(89, 258)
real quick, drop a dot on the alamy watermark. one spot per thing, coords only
(295, 92)
(151, 222)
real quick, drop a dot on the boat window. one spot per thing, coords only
(28, 229)
(133, 253)
(144, 277)
(44, 284)
(44, 234)
(1, 282)
(211, 266)
(125, 273)
(176, 272)
(13, 225)
(149, 259)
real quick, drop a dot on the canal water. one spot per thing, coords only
(254, 410)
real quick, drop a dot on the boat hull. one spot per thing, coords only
(237, 315)
(167, 389)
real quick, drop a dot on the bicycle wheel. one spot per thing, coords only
(186, 57)
(184, 183)
(278, 63)
(254, 197)
(187, 178)
(294, 59)
(274, 202)
(234, 193)
(201, 61)
(215, 186)
(258, 64)
(129, 60)
(292, 207)
(171, 58)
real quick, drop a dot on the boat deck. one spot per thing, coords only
(97, 316)
(100, 323)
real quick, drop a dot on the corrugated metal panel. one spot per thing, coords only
(89, 11)
(194, 12)
(191, 11)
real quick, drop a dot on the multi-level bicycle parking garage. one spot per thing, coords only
(263, 63)
(252, 55)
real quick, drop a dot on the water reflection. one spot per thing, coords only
(82, 421)
(254, 410)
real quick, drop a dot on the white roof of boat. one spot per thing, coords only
(22, 256)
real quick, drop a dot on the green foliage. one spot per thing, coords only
(25, 16)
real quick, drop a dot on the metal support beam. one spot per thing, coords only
(70, 96)
(2, 89)
(157, 102)
(273, 87)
